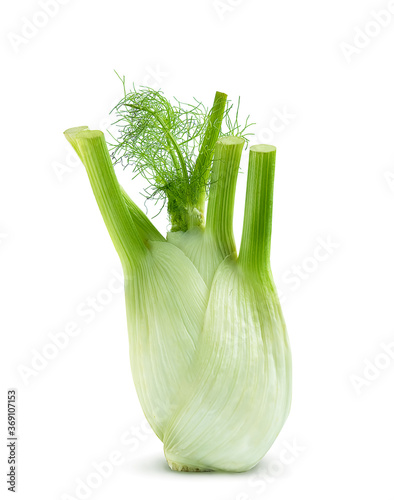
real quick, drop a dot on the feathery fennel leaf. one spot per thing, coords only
(171, 145)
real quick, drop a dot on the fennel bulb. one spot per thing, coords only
(209, 351)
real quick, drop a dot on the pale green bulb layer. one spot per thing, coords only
(234, 408)
(166, 301)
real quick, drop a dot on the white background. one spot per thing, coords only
(334, 183)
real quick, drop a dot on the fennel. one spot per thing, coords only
(208, 345)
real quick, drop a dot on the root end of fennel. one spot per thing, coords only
(185, 468)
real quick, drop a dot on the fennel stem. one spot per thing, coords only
(92, 149)
(220, 210)
(144, 226)
(204, 159)
(254, 253)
